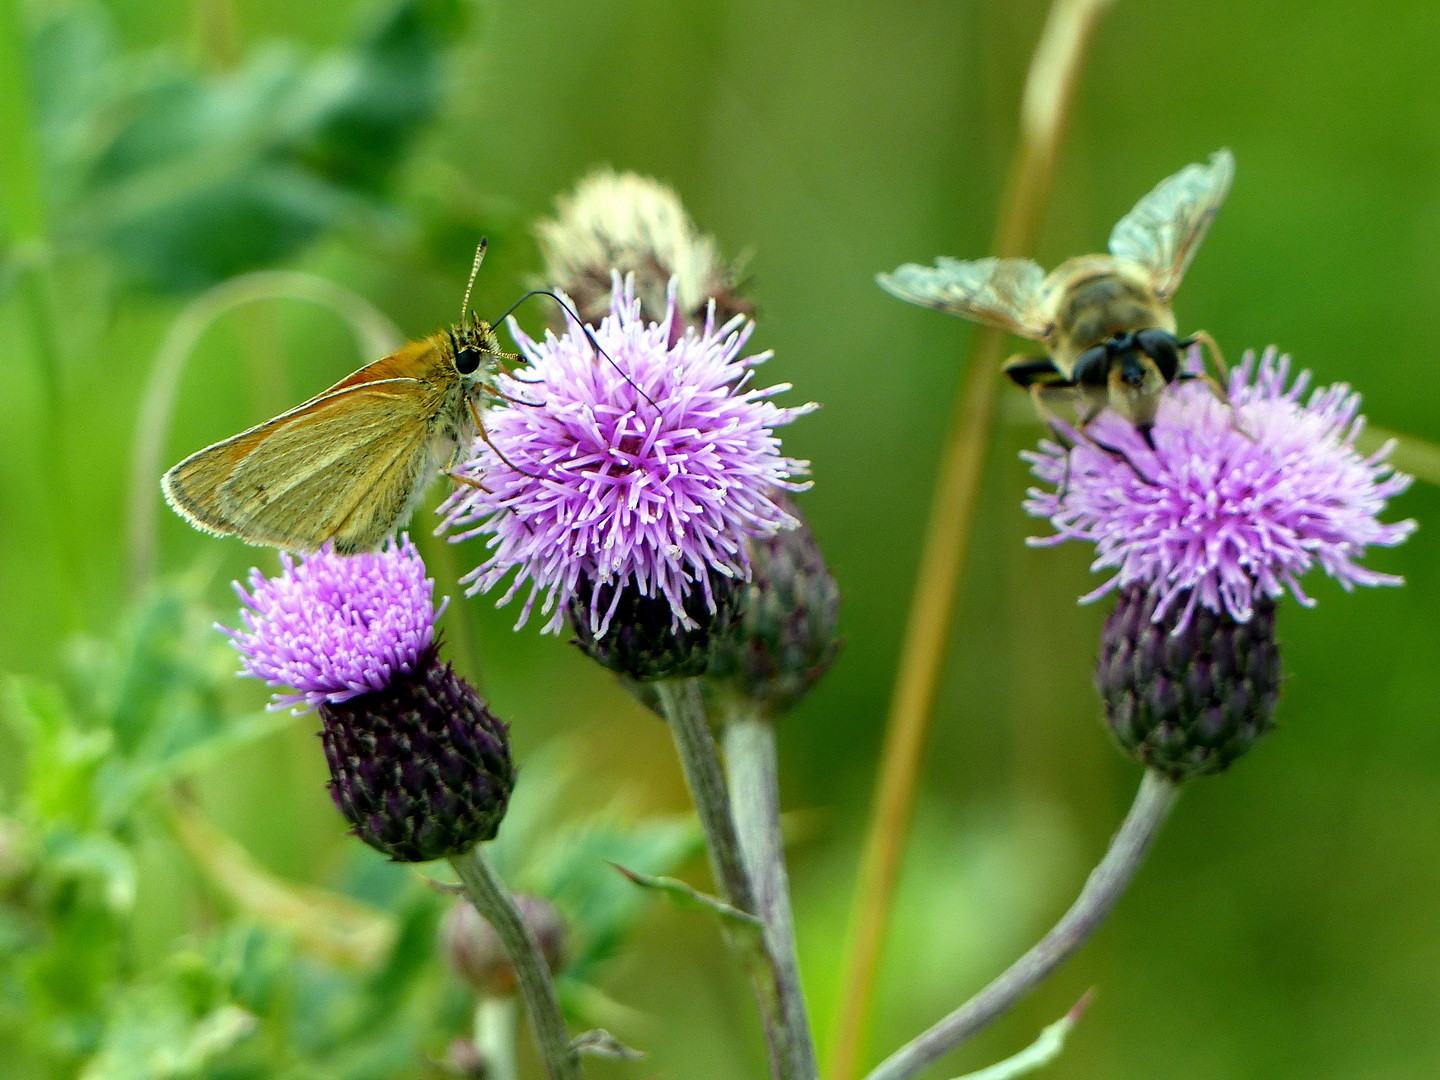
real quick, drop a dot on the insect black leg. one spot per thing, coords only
(1033, 371)
(1213, 348)
(1037, 391)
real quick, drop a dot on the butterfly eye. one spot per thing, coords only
(467, 360)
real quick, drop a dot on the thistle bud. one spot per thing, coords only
(463, 1059)
(474, 950)
(621, 222)
(1187, 702)
(643, 639)
(420, 769)
(784, 637)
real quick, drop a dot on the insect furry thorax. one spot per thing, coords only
(1105, 320)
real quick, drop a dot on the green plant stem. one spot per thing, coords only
(493, 901)
(1049, 91)
(22, 204)
(21, 186)
(1103, 889)
(684, 710)
(751, 761)
(1418, 457)
(495, 1025)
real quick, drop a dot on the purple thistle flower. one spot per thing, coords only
(333, 627)
(1235, 502)
(650, 472)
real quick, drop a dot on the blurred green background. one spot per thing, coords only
(1287, 925)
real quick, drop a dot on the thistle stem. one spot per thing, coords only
(684, 711)
(493, 901)
(1413, 455)
(755, 801)
(1103, 889)
(495, 1024)
(24, 213)
(1049, 90)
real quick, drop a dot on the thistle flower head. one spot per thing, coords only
(332, 627)
(634, 225)
(644, 473)
(419, 767)
(1234, 503)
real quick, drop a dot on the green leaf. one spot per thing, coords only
(190, 178)
(1038, 1054)
(741, 923)
(96, 858)
(575, 874)
(153, 1036)
(61, 759)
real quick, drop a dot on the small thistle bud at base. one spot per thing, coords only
(1191, 703)
(642, 641)
(475, 951)
(784, 635)
(420, 769)
(629, 224)
(464, 1060)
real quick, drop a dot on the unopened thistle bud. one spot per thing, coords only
(1187, 700)
(474, 950)
(621, 222)
(419, 767)
(784, 637)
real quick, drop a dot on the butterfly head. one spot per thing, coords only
(475, 350)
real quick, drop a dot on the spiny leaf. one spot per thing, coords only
(601, 1043)
(1038, 1054)
(686, 896)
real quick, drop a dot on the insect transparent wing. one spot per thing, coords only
(997, 292)
(1164, 230)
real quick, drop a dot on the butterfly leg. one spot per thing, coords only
(461, 480)
(485, 438)
(466, 481)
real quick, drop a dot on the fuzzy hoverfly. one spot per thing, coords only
(1105, 320)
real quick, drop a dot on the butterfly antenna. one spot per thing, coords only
(588, 337)
(474, 269)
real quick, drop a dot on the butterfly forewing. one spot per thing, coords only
(345, 466)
